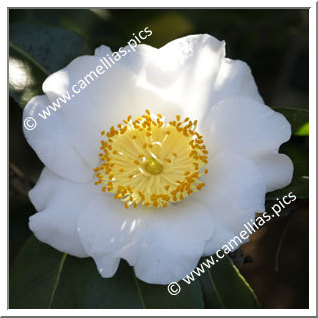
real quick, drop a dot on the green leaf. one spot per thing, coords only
(26, 75)
(157, 296)
(224, 287)
(33, 56)
(53, 47)
(42, 277)
(298, 118)
(51, 16)
(303, 130)
(298, 151)
(95, 27)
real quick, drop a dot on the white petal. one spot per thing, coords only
(162, 244)
(277, 170)
(68, 141)
(60, 202)
(242, 125)
(40, 194)
(234, 190)
(102, 51)
(193, 72)
(181, 72)
(94, 108)
(234, 78)
(52, 146)
(134, 86)
(221, 236)
(177, 78)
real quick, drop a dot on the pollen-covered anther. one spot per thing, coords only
(151, 162)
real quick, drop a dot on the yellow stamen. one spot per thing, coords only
(149, 162)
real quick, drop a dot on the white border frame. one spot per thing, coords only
(312, 155)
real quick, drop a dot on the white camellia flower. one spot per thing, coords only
(161, 160)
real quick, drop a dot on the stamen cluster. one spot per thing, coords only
(147, 161)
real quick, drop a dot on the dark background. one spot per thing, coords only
(275, 45)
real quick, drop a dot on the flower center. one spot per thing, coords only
(153, 166)
(150, 162)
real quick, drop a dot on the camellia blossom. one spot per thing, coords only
(160, 161)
